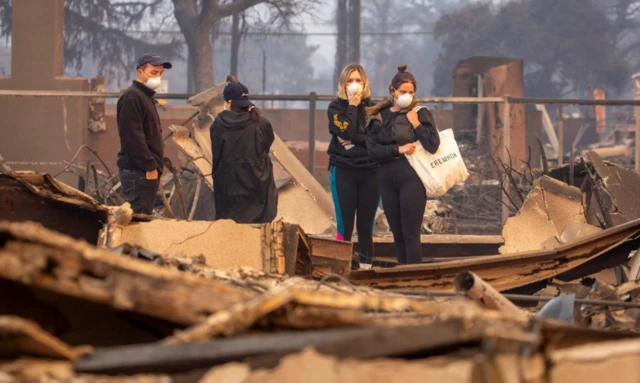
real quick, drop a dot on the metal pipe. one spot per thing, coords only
(506, 145)
(305, 97)
(312, 133)
(560, 136)
(474, 287)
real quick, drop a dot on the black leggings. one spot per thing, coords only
(356, 191)
(403, 200)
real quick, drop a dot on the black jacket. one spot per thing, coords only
(243, 182)
(384, 138)
(141, 146)
(348, 122)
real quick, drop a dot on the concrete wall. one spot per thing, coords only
(41, 130)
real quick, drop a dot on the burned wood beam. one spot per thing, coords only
(238, 317)
(511, 271)
(31, 196)
(37, 257)
(20, 337)
(346, 343)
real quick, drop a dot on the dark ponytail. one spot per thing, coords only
(402, 77)
(255, 112)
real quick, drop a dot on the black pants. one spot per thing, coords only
(403, 200)
(138, 190)
(356, 191)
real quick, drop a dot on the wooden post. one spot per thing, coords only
(480, 111)
(636, 96)
(506, 143)
(637, 138)
(560, 136)
(313, 98)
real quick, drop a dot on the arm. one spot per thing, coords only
(359, 139)
(342, 123)
(133, 138)
(216, 148)
(426, 131)
(376, 150)
(268, 135)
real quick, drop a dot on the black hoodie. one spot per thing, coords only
(139, 128)
(243, 182)
(385, 138)
(348, 122)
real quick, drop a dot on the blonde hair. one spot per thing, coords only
(344, 76)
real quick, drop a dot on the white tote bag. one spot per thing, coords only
(439, 172)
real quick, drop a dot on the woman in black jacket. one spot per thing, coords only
(389, 141)
(354, 175)
(243, 182)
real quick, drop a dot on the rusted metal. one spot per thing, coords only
(510, 271)
(330, 256)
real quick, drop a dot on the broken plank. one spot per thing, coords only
(509, 271)
(37, 257)
(238, 317)
(20, 337)
(353, 343)
(37, 197)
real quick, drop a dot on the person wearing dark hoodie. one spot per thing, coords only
(392, 136)
(353, 174)
(243, 181)
(141, 149)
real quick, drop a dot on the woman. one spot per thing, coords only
(388, 141)
(243, 182)
(354, 175)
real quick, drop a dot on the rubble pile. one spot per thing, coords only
(92, 293)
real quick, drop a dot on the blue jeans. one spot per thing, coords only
(138, 190)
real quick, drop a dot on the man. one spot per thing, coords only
(140, 159)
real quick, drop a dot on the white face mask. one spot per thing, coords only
(354, 88)
(404, 100)
(154, 82)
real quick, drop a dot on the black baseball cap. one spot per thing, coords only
(237, 93)
(153, 59)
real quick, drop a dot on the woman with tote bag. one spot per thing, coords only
(393, 134)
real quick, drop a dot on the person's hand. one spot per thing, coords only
(152, 175)
(344, 142)
(412, 116)
(407, 149)
(355, 99)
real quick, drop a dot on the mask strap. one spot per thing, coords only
(142, 72)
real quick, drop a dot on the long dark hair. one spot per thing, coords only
(401, 77)
(255, 112)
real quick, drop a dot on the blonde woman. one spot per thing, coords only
(354, 175)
